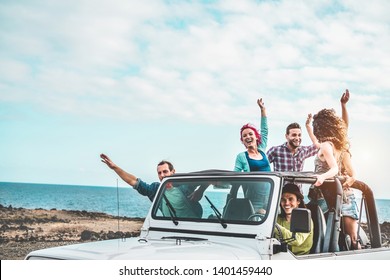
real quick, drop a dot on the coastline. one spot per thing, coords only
(23, 230)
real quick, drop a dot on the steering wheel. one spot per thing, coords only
(256, 217)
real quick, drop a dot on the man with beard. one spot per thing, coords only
(290, 156)
(186, 197)
(164, 169)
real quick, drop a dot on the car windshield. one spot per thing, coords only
(244, 201)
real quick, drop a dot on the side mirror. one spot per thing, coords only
(300, 220)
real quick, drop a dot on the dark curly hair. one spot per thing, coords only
(293, 189)
(327, 126)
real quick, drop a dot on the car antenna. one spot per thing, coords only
(117, 199)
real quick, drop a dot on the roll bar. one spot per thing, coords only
(335, 200)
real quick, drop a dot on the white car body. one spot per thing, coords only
(206, 237)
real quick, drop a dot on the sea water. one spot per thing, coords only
(122, 201)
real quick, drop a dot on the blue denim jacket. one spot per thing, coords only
(146, 189)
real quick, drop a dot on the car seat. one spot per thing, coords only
(238, 209)
(319, 227)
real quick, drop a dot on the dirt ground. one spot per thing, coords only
(24, 230)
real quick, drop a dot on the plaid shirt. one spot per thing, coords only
(284, 160)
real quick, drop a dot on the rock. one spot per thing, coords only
(4, 227)
(86, 235)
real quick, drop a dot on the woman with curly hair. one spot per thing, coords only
(331, 134)
(334, 158)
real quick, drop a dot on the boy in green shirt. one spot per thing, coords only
(292, 198)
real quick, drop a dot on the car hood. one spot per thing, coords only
(142, 249)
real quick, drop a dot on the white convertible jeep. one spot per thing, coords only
(234, 219)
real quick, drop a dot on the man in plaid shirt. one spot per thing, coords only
(290, 156)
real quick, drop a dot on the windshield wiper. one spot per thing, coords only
(172, 211)
(185, 238)
(217, 213)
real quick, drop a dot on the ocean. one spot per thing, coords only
(74, 197)
(99, 199)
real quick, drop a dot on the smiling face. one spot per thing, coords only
(294, 137)
(248, 137)
(289, 202)
(164, 171)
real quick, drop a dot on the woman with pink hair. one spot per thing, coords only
(254, 157)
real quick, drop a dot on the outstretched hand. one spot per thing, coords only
(349, 181)
(320, 180)
(107, 161)
(309, 119)
(261, 103)
(345, 97)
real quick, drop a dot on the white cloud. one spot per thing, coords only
(150, 64)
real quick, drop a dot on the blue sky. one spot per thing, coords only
(148, 80)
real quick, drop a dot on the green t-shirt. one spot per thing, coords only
(184, 208)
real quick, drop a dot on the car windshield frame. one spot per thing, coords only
(225, 200)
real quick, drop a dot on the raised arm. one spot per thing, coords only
(262, 107)
(309, 130)
(127, 177)
(344, 113)
(263, 125)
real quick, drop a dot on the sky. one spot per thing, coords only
(148, 80)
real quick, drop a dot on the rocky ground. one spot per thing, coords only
(24, 230)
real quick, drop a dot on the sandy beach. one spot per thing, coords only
(24, 230)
